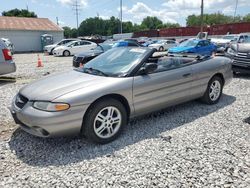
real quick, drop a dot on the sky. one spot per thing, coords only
(174, 11)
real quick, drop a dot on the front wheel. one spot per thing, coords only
(104, 121)
(214, 91)
(66, 53)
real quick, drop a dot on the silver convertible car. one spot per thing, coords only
(98, 99)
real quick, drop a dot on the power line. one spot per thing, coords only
(121, 13)
(236, 6)
(76, 8)
(202, 9)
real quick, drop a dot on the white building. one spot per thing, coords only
(25, 33)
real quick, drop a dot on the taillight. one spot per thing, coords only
(7, 54)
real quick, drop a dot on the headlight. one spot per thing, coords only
(231, 51)
(50, 106)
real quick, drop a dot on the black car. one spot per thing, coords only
(83, 58)
(240, 54)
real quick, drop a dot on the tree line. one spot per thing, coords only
(106, 27)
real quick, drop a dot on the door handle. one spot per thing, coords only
(187, 75)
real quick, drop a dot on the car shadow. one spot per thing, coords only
(242, 76)
(6, 80)
(36, 151)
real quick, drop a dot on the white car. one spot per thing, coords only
(74, 47)
(163, 45)
(51, 47)
(9, 44)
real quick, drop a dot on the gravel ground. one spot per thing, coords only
(189, 145)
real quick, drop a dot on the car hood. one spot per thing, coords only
(241, 47)
(51, 46)
(61, 48)
(89, 53)
(181, 49)
(220, 40)
(156, 44)
(54, 86)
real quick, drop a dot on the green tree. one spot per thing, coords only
(19, 13)
(67, 31)
(151, 22)
(246, 18)
(211, 19)
(168, 25)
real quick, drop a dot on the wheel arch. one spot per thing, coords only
(118, 97)
(220, 75)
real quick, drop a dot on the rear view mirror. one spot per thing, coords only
(148, 68)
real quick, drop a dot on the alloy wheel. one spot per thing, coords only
(215, 90)
(107, 122)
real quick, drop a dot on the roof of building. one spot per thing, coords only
(28, 24)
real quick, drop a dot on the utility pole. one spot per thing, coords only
(235, 10)
(202, 8)
(76, 8)
(57, 22)
(121, 14)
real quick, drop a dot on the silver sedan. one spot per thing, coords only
(98, 99)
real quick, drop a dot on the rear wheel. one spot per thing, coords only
(214, 91)
(66, 53)
(104, 121)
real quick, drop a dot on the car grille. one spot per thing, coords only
(242, 59)
(21, 101)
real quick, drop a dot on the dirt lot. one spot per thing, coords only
(189, 145)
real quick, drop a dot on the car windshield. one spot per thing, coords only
(247, 40)
(114, 62)
(70, 43)
(104, 48)
(160, 41)
(229, 37)
(189, 43)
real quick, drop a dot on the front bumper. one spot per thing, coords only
(7, 67)
(48, 124)
(57, 53)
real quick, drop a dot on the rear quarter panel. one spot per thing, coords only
(205, 70)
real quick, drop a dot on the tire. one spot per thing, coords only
(209, 98)
(51, 51)
(99, 127)
(161, 49)
(66, 53)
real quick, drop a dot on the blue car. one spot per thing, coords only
(126, 44)
(194, 46)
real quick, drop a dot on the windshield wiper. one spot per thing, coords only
(90, 70)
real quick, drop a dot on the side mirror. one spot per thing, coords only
(148, 68)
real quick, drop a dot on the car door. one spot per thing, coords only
(75, 48)
(85, 46)
(170, 84)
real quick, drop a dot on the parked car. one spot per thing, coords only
(194, 46)
(7, 64)
(163, 45)
(126, 43)
(74, 47)
(50, 48)
(240, 54)
(224, 43)
(149, 42)
(83, 58)
(98, 99)
(9, 44)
